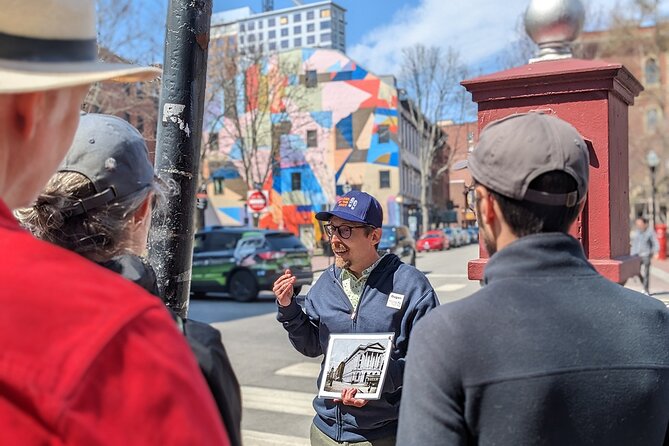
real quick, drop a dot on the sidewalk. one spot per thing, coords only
(659, 281)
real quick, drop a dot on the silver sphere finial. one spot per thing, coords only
(554, 25)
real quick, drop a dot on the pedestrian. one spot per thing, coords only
(361, 293)
(548, 351)
(644, 245)
(99, 205)
(87, 356)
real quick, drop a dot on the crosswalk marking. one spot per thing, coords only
(451, 287)
(301, 370)
(284, 401)
(255, 438)
(446, 276)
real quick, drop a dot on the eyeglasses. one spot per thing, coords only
(344, 231)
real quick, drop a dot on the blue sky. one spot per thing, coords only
(379, 29)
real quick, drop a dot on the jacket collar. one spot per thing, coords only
(539, 255)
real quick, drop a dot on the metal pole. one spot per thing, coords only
(178, 148)
(653, 192)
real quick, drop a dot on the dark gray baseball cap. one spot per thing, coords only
(113, 155)
(515, 150)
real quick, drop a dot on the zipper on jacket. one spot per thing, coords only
(339, 422)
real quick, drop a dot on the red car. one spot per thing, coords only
(432, 241)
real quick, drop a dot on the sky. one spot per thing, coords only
(377, 30)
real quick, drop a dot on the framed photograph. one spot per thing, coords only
(356, 360)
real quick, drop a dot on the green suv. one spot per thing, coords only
(243, 261)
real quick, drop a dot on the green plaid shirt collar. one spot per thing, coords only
(353, 287)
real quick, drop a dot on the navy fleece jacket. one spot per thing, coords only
(329, 311)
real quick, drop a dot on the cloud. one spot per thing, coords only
(479, 29)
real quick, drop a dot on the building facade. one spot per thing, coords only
(461, 140)
(364, 364)
(314, 25)
(644, 52)
(336, 128)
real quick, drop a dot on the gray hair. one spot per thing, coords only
(98, 234)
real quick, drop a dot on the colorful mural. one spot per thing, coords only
(335, 131)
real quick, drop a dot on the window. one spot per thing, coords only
(284, 44)
(260, 37)
(272, 46)
(325, 37)
(325, 13)
(652, 117)
(326, 24)
(310, 27)
(242, 27)
(284, 32)
(260, 24)
(140, 124)
(311, 40)
(297, 29)
(384, 179)
(311, 78)
(652, 72)
(312, 138)
(283, 20)
(271, 22)
(241, 40)
(251, 26)
(297, 17)
(252, 38)
(310, 15)
(296, 181)
(298, 42)
(384, 133)
(271, 34)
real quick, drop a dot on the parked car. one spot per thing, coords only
(464, 236)
(244, 261)
(454, 238)
(474, 233)
(398, 240)
(432, 241)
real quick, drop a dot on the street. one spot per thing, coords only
(278, 383)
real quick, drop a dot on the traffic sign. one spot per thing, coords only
(257, 200)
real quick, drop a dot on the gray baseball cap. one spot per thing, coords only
(113, 155)
(515, 150)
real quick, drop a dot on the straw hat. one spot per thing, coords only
(49, 44)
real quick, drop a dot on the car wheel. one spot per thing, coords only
(243, 286)
(297, 290)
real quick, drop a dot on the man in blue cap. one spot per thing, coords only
(361, 293)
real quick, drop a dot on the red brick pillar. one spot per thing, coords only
(594, 96)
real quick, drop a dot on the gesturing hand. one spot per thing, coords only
(283, 288)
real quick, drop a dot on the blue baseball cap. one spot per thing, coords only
(356, 206)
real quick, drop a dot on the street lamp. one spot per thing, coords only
(653, 161)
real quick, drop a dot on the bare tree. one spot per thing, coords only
(129, 31)
(431, 77)
(252, 100)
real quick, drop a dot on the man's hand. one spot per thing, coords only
(348, 398)
(283, 288)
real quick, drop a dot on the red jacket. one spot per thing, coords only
(87, 357)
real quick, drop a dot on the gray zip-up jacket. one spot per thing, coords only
(328, 310)
(644, 243)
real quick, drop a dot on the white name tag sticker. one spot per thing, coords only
(395, 300)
